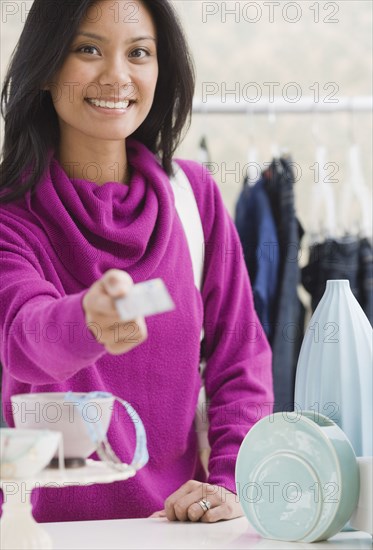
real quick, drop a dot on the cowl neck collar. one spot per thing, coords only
(109, 226)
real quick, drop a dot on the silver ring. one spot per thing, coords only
(205, 505)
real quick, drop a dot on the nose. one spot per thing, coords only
(116, 74)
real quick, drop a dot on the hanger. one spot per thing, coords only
(360, 192)
(322, 221)
(253, 170)
(203, 151)
(272, 120)
(203, 155)
(355, 198)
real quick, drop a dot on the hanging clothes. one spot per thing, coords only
(348, 258)
(257, 230)
(366, 278)
(289, 312)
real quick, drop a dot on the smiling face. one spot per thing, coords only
(113, 57)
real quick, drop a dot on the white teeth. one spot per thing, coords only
(109, 104)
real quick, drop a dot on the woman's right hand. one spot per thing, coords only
(103, 319)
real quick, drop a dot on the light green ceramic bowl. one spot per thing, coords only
(297, 477)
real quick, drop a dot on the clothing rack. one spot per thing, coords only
(356, 104)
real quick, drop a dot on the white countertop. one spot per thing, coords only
(159, 533)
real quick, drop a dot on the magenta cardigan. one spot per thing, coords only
(54, 244)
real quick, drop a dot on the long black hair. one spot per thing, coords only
(31, 122)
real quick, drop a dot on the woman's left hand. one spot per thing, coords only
(183, 504)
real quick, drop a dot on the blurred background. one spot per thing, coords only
(305, 49)
(323, 47)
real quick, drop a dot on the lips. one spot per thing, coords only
(112, 99)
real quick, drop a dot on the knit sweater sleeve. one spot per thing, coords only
(238, 373)
(43, 334)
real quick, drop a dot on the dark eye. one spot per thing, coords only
(86, 49)
(138, 53)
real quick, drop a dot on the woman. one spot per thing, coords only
(86, 210)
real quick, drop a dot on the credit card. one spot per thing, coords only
(145, 299)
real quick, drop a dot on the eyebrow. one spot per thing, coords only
(105, 40)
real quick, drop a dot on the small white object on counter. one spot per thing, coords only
(362, 518)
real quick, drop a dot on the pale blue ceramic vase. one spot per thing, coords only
(334, 371)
